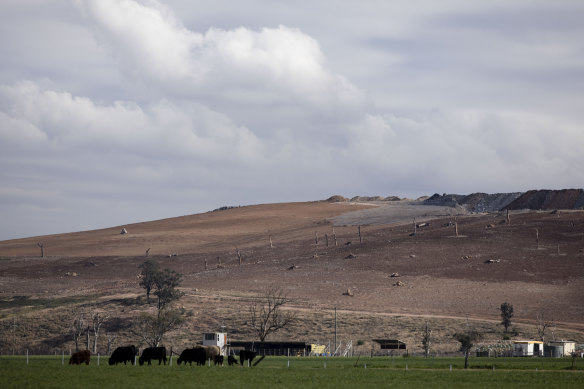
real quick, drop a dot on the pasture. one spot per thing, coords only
(273, 372)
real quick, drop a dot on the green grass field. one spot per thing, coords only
(273, 372)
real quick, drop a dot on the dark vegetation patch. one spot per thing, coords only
(27, 301)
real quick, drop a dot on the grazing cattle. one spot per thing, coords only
(218, 360)
(231, 360)
(190, 355)
(246, 355)
(123, 354)
(153, 353)
(80, 357)
(211, 352)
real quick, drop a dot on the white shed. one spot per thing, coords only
(218, 339)
(567, 346)
(527, 348)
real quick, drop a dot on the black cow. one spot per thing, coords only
(231, 360)
(218, 360)
(190, 355)
(80, 357)
(246, 355)
(123, 354)
(153, 353)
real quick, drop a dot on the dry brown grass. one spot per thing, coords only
(446, 280)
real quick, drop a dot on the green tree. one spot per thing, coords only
(150, 270)
(506, 314)
(166, 283)
(467, 342)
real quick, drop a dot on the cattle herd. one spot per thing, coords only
(199, 355)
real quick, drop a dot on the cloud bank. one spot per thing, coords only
(120, 111)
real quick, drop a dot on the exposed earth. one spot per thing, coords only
(453, 271)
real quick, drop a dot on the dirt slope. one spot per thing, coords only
(439, 273)
(230, 228)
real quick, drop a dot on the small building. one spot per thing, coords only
(564, 348)
(527, 348)
(218, 339)
(285, 348)
(390, 344)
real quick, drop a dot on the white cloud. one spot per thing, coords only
(133, 110)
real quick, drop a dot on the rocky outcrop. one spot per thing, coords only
(533, 199)
(549, 199)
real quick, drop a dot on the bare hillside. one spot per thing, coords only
(445, 269)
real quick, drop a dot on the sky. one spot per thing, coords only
(121, 111)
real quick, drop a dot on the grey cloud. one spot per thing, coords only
(151, 110)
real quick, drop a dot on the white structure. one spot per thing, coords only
(218, 339)
(527, 348)
(568, 347)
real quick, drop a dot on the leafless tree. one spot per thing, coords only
(111, 339)
(238, 255)
(267, 315)
(542, 325)
(97, 319)
(152, 328)
(426, 340)
(78, 328)
(42, 246)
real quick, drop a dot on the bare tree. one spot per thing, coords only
(111, 338)
(97, 319)
(238, 255)
(542, 325)
(426, 340)
(152, 328)
(42, 246)
(267, 316)
(78, 327)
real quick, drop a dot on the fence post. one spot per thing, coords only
(63, 358)
(26, 357)
(97, 359)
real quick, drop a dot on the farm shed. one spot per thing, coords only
(527, 348)
(564, 348)
(390, 344)
(218, 339)
(272, 348)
